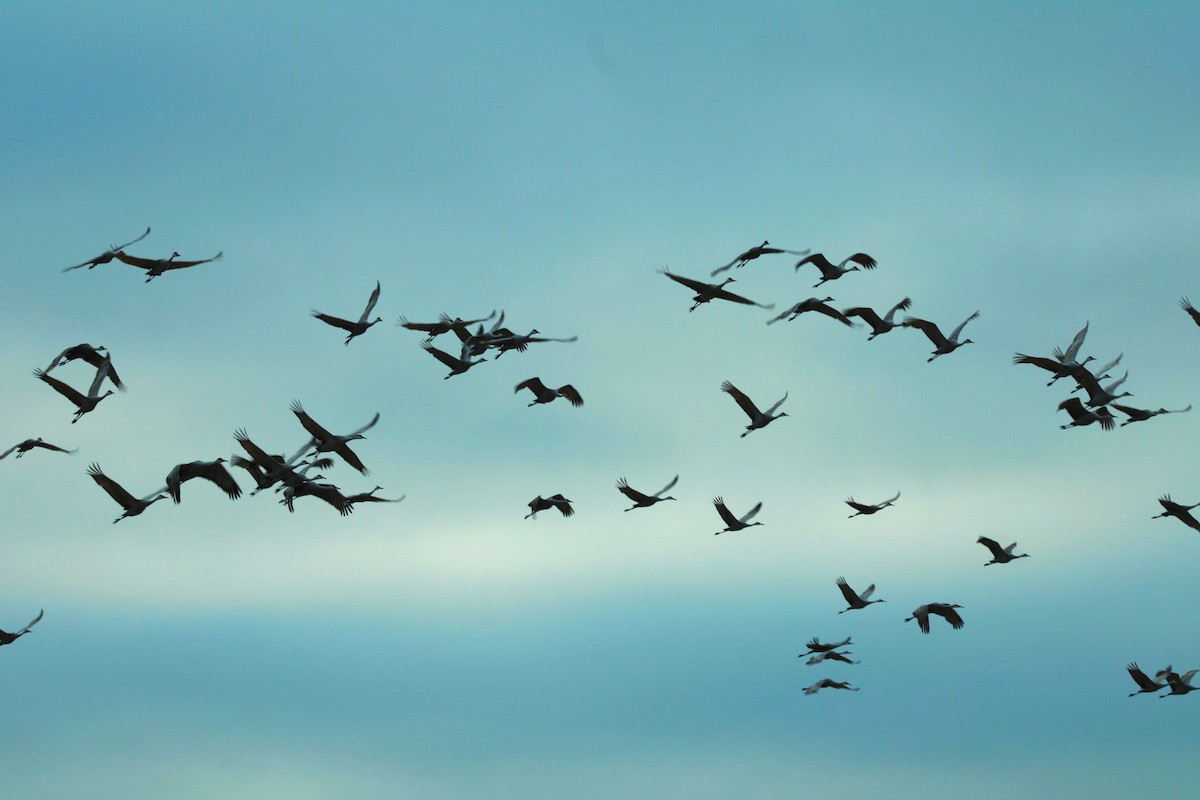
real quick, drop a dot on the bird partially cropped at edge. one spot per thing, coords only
(1180, 512)
(1000, 555)
(758, 419)
(944, 610)
(1190, 309)
(753, 253)
(357, 327)
(641, 500)
(9, 638)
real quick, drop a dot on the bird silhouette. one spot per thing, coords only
(640, 500)
(356, 327)
(733, 523)
(9, 638)
(108, 255)
(1000, 555)
(944, 610)
(758, 419)
(157, 266)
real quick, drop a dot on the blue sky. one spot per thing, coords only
(1037, 164)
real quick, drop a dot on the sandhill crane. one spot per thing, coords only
(326, 442)
(1000, 555)
(640, 500)
(707, 292)
(9, 638)
(1180, 684)
(269, 470)
(879, 325)
(1179, 512)
(540, 503)
(1099, 395)
(1148, 686)
(863, 508)
(132, 505)
(357, 327)
(444, 325)
(758, 419)
(753, 253)
(83, 403)
(457, 365)
(322, 491)
(831, 655)
(93, 356)
(831, 271)
(1141, 415)
(1058, 368)
(854, 599)
(1190, 309)
(733, 523)
(812, 304)
(815, 646)
(827, 683)
(544, 394)
(369, 497)
(1081, 416)
(944, 610)
(941, 344)
(213, 471)
(157, 266)
(29, 444)
(520, 343)
(108, 255)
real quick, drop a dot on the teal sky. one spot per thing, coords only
(1036, 163)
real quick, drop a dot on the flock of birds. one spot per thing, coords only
(301, 473)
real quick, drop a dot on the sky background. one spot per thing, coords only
(1036, 163)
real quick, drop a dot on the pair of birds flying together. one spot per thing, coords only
(154, 266)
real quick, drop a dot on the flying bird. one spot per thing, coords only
(444, 325)
(369, 497)
(879, 325)
(1081, 416)
(827, 683)
(157, 266)
(813, 304)
(29, 444)
(707, 292)
(132, 505)
(83, 403)
(9, 638)
(1180, 684)
(325, 442)
(758, 419)
(831, 655)
(1099, 395)
(93, 356)
(753, 253)
(831, 271)
(1000, 555)
(1179, 512)
(108, 255)
(520, 343)
(1141, 415)
(733, 523)
(856, 601)
(640, 500)
(540, 503)
(941, 344)
(943, 610)
(357, 327)
(1190, 309)
(213, 471)
(863, 508)
(1148, 685)
(815, 645)
(457, 365)
(544, 394)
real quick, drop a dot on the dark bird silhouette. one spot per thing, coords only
(1180, 684)
(357, 327)
(444, 325)
(322, 491)
(831, 655)
(1000, 555)
(854, 599)
(457, 365)
(213, 471)
(863, 508)
(1081, 416)
(941, 344)
(758, 419)
(9, 638)
(1141, 415)
(733, 523)
(1099, 395)
(83, 402)
(827, 683)
(944, 610)
(132, 505)
(815, 646)
(369, 497)
(831, 271)
(1190, 309)
(544, 394)
(1179, 512)
(540, 503)
(157, 266)
(325, 442)
(640, 500)
(108, 255)
(520, 343)
(1148, 686)
(93, 356)
(707, 292)
(813, 304)
(29, 444)
(879, 325)
(753, 253)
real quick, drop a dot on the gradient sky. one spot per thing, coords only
(1036, 163)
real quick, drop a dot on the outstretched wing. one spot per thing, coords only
(667, 488)
(961, 325)
(742, 400)
(694, 285)
(726, 515)
(851, 596)
(749, 515)
(370, 304)
(991, 544)
(631, 493)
